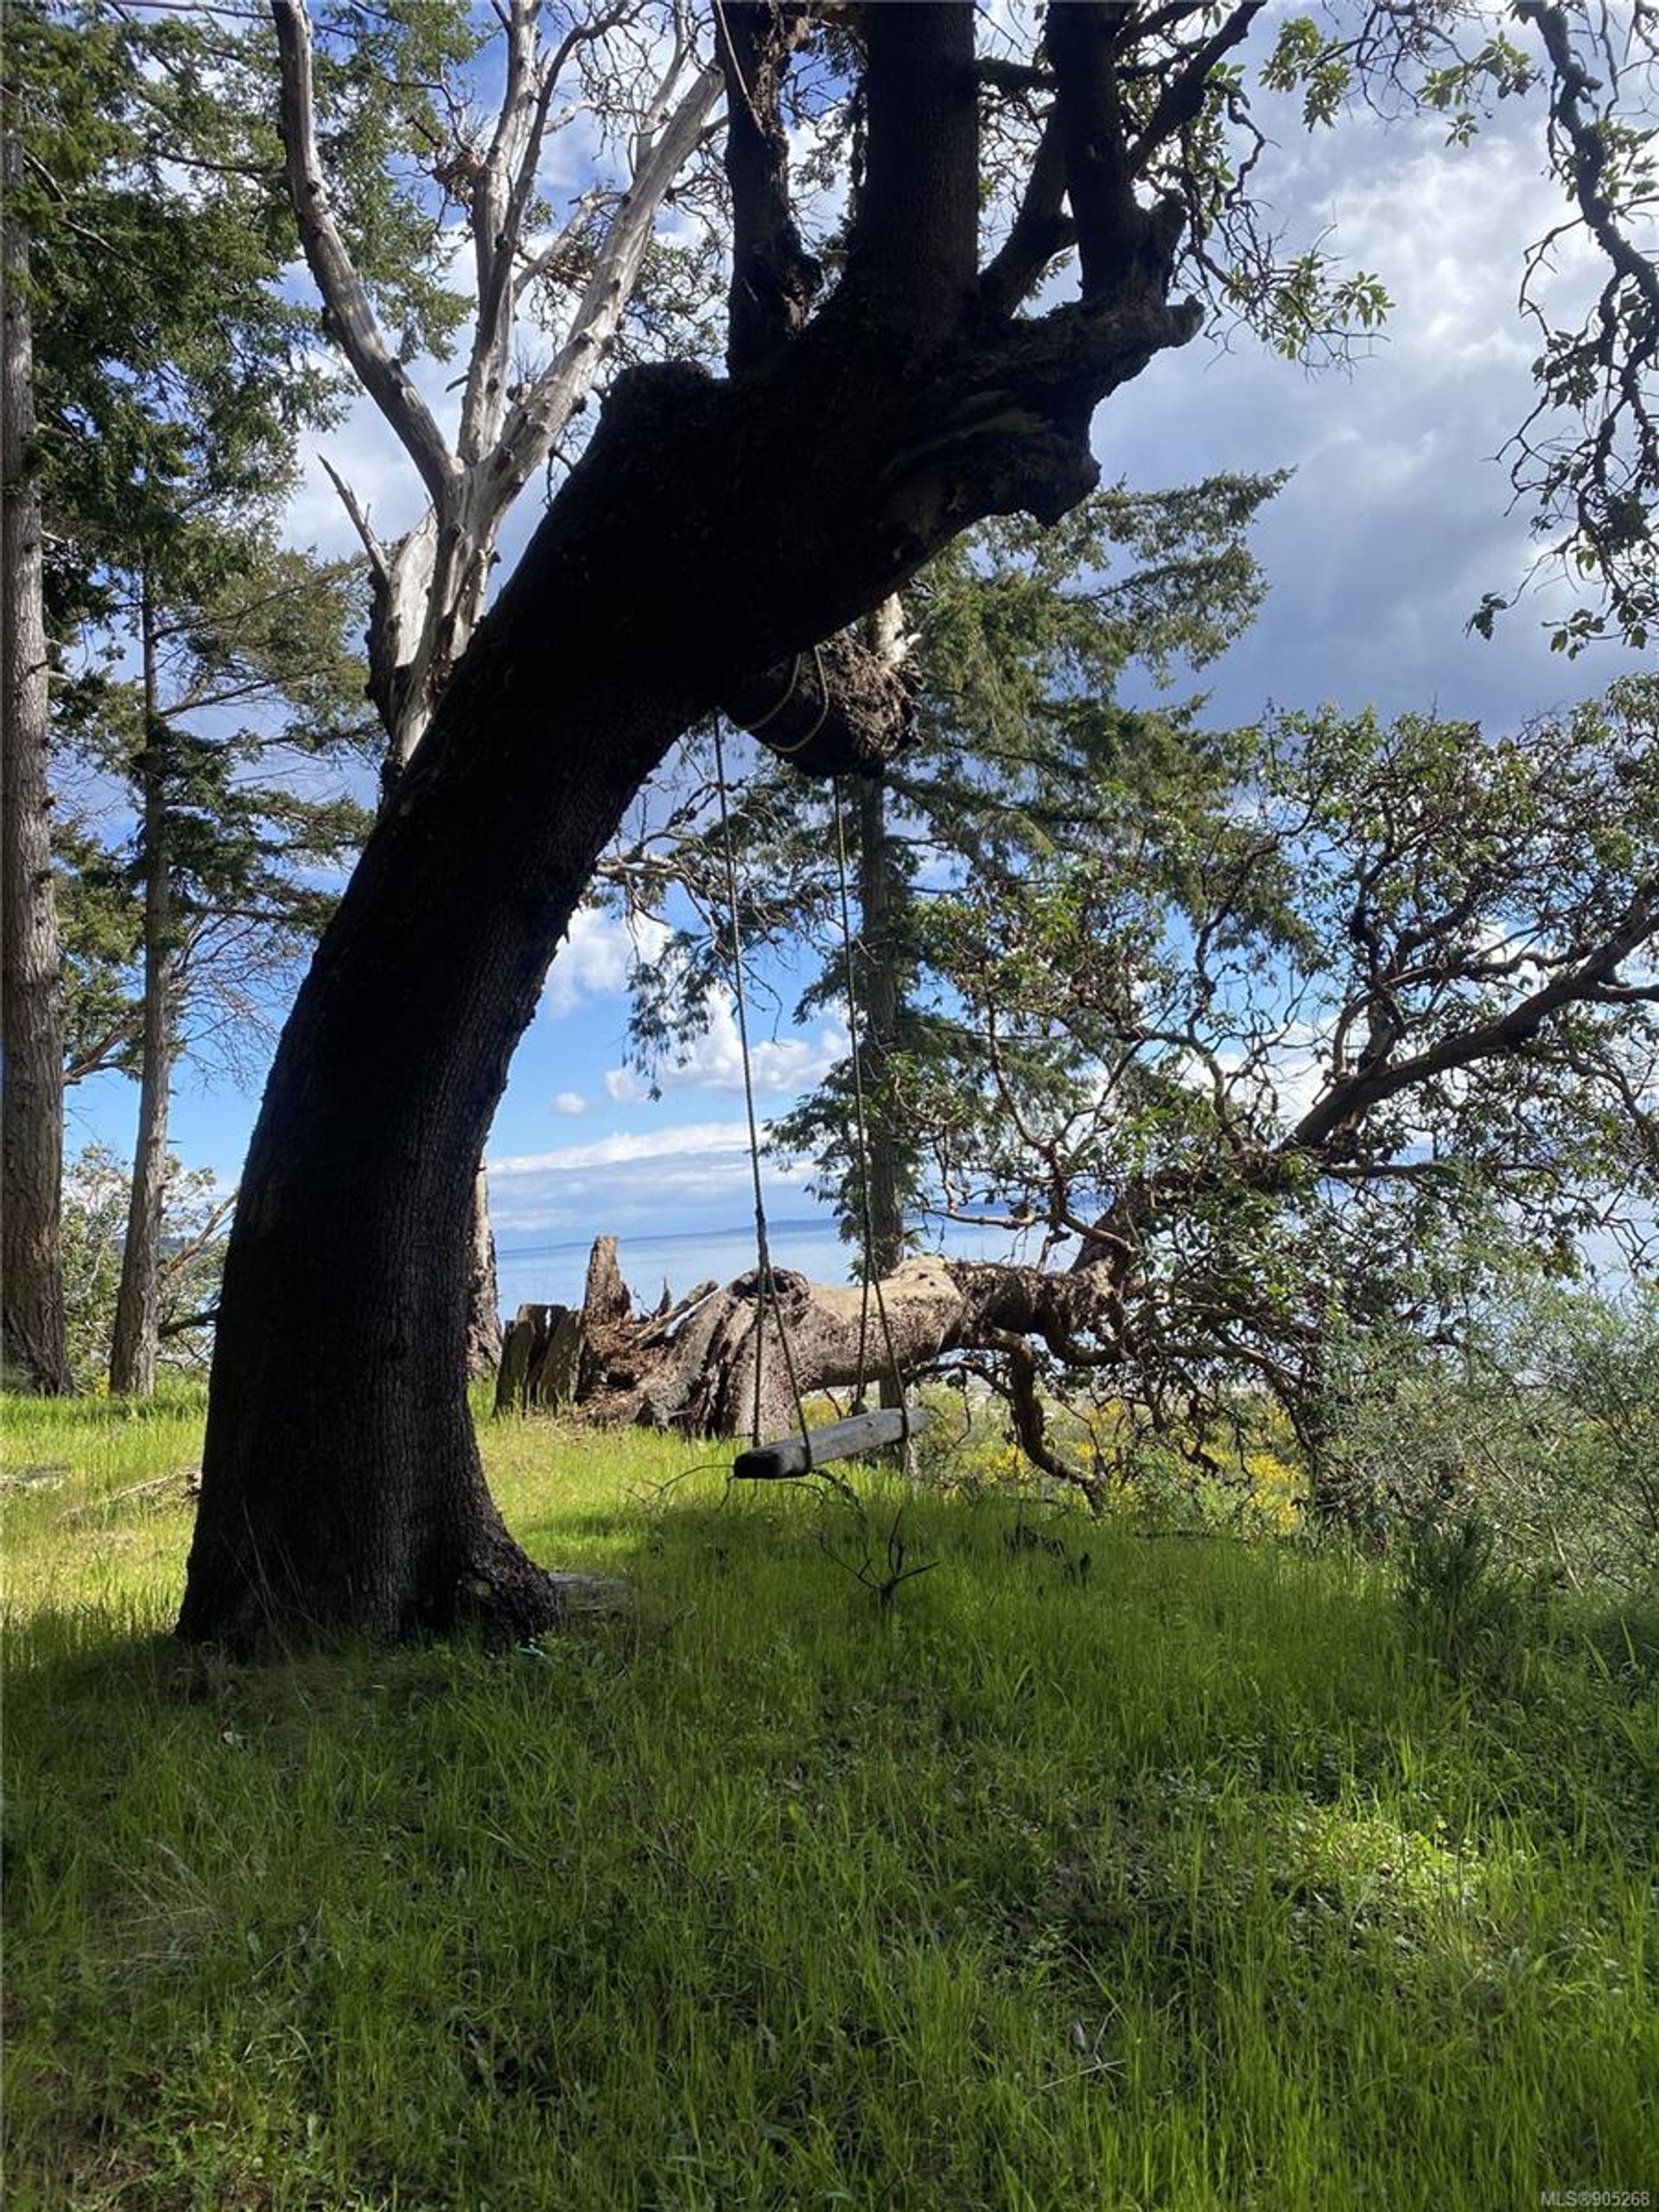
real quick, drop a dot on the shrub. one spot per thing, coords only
(1546, 1433)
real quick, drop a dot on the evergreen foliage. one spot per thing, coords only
(198, 657)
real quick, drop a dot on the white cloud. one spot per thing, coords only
(782, 1066)
(1399, 518)
(381, 478)
(596, 957)
(625, 1147)
(636, 1181)
(569, 1102)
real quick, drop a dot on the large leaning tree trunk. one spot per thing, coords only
(715, 529)
(428, 588)
(33, 1354)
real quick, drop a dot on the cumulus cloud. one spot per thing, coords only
(596, 957)
(782, 1066)
(569, 1102)
(1397, 520)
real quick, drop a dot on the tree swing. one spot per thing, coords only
(865, 1429)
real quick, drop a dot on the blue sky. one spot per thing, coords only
(1376, 553)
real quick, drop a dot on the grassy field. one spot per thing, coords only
(1093, 1870)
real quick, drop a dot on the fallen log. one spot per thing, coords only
(712, 1364)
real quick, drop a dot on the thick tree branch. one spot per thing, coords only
(1181, 101)
(1376, 1080)
(1082, 38)
(1182, 97)
(1041, 229)
(839, 709)
(1589, 153)
(774, 279)
(922, 171)
(536, 419)
(500, 195)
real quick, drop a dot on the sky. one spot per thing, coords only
(1394, 525)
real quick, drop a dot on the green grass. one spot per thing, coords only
(1183, 1880)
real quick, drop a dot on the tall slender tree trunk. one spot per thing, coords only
(33, 1353)
(138, 1306)
(882, 901)
(882, 894)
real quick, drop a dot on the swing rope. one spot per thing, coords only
(864, 1430)
(768, 1283)
(787, 752)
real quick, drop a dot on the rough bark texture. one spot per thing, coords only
(32, 1349)
(427, 588)
(922, 169)
(774, 279)
(711, 530)
(840, 708)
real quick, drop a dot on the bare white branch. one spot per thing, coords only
(350, 312)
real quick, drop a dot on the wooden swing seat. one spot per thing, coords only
(841, 1440)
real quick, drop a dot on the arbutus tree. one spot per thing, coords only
(715, 531)
(1325, 1030)
(1389, 1053)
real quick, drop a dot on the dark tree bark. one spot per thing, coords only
(881, 901)
(427, 588)
(774, 278)
(33, 1355)
(711, 530)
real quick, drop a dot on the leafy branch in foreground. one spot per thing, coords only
(1403, 1032)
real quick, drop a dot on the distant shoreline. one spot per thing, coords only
(802, 1224)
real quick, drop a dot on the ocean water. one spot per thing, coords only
(553, 1275)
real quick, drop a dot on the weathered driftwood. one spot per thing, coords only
(838, 1440)
(540, 1351)
(554, 1355)
(708, 1363)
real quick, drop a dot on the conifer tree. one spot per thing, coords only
(171, 380)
